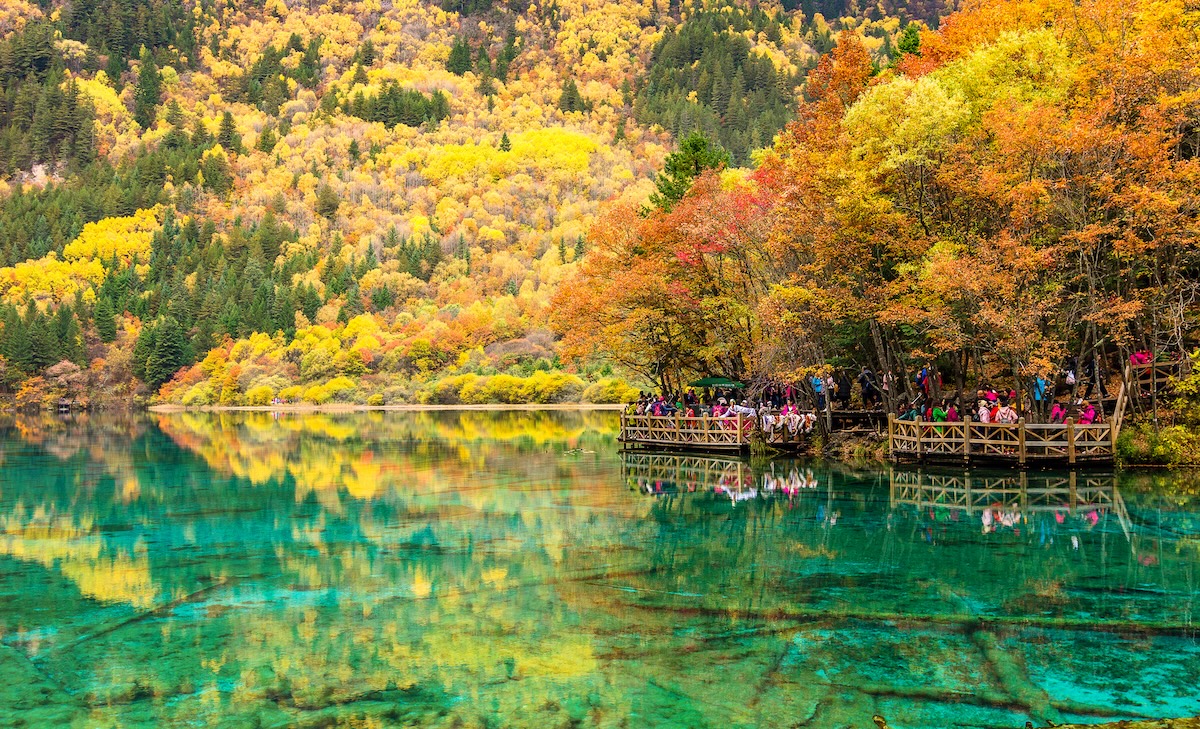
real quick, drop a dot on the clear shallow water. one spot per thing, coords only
(514, 569)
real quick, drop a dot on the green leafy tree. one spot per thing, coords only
(695, 155)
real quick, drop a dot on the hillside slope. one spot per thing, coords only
(359, 200)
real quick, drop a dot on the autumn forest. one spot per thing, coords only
(206, 202)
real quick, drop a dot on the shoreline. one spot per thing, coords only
(356, 408)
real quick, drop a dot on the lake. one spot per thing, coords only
(497, 569)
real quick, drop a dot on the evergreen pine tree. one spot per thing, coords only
(146, 93)
(505, 144)
(43, 345)
(459, 61)
(695, 155)
(366, 54)
(200, 135)
(142, 350)
(105, 317)
(483, 62)
(227, 135)
(169, 353)
(909, 41)
(67, 333)
(18, 350)
(266, 141)
(327, 201)
(570, 100)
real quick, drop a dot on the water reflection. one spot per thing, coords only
(662, 474)
(514, 569)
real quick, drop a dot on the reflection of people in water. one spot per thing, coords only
(997, 515)
(792, 484)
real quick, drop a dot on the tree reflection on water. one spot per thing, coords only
(515, 569)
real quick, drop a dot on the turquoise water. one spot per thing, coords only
(515, 569)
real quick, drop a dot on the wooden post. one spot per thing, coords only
(677, 438)
(706, 436)
(1021, 441)
(967, 439)
(919, 454)
(1070, 440)
(740, 432)
(892, 435)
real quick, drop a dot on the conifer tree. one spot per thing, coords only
(459, 61)
(227, 135)
(169, 353)
(570, 100)
(695, 155)
(327, 201)
(146, 93)
(105, 318)
(43, 346)
(909, 41)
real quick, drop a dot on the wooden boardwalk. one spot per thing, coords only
(1021, 444)
(705, 434)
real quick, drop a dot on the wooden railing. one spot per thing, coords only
(1156, 376)
(1019, 442)
(677, 431)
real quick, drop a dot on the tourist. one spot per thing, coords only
(1093, 370)
(722, 407)
(1005, 413)
(743, 409)
(818, 385)
(1087, 413)
(984, 413)
(843, 390)
(1058, 413)
(866, 384)
(938, 414)
(952, 415)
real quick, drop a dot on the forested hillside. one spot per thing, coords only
(1015, 195)
(219, 202)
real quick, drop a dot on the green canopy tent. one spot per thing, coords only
(716, 382)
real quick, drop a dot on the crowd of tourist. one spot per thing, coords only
(992, 406)
(1055, 399)
(775, 411)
